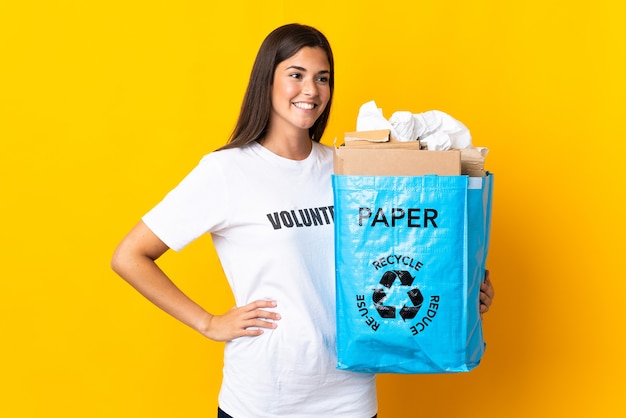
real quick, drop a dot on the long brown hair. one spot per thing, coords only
(280, 44)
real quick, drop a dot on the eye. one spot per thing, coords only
(322, 79)
(297, 76)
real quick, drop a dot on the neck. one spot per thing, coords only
(293, 148)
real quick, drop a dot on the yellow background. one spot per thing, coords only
(105, 105)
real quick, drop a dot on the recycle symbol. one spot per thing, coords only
(414, 294)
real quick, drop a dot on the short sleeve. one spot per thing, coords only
(197, 205)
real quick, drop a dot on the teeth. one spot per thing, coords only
(308, 106)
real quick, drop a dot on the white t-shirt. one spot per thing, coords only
(271, 220)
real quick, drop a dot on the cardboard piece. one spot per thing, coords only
(382, 135)
(364, 156)
(376, 139)
(473, 161)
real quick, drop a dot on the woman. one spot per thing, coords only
(280, 352)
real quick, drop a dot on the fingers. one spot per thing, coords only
(258, 309)
(485, 304)
(245, 321)
(486, 294)
(486, 286)
(255, 317)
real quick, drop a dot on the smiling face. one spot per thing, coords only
(300, 91)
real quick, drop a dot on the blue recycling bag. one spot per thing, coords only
(410, 256)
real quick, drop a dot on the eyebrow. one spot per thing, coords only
(296, 67)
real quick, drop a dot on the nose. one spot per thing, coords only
(309, 88)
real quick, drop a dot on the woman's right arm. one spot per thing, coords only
(135, 261)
